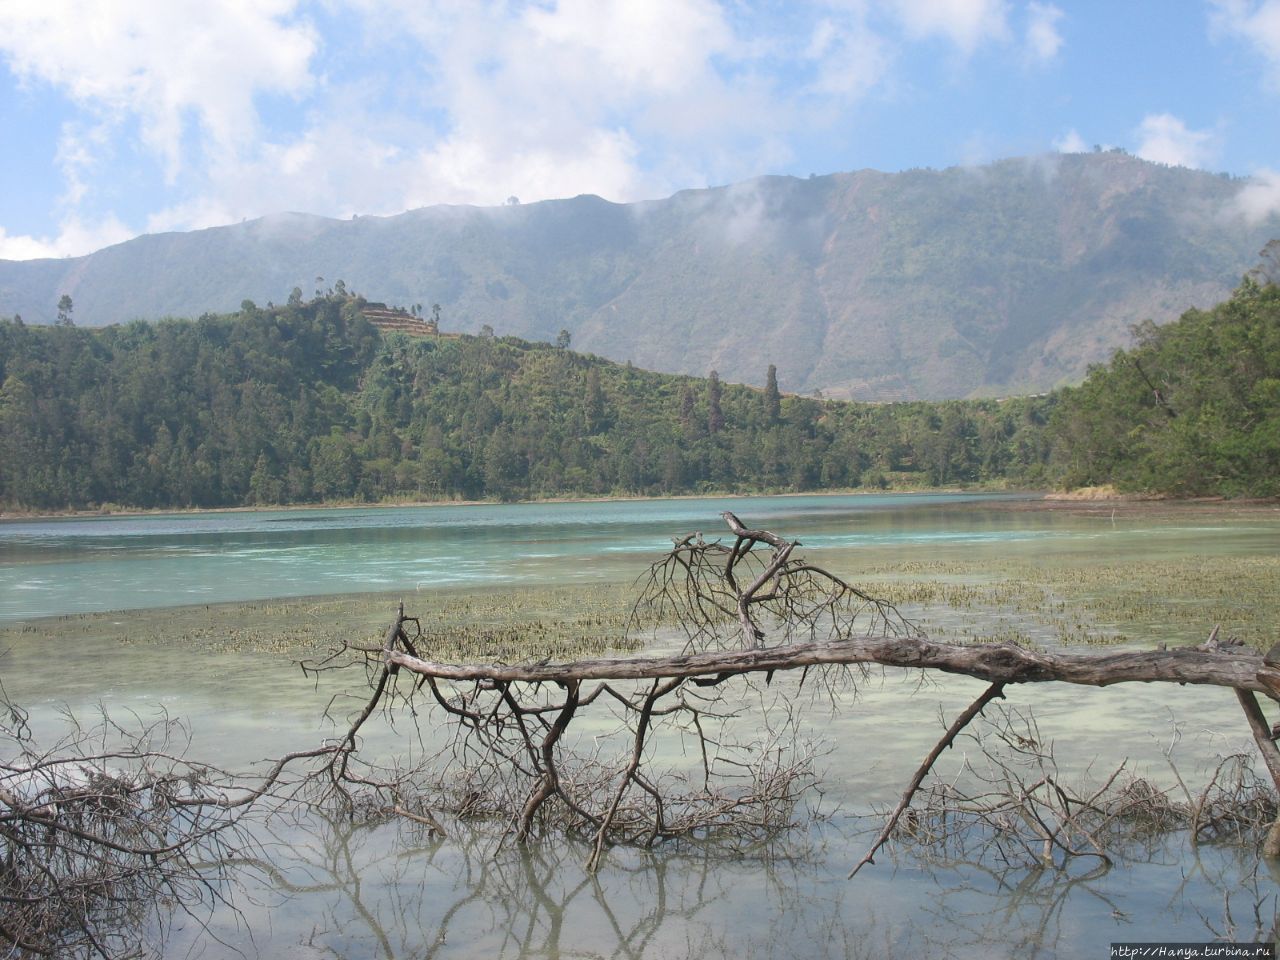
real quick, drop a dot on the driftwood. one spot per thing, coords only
(93, 837)
(110, 828)
(749, 608)
(994, 663)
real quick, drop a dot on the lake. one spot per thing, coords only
(76, 565)
(339, 889)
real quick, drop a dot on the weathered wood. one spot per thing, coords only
(1237, 668)
(728, 594)
(549, 781)
(747, 539)
(1269, 673)
(425, 818)
(948, 738)
(1270, 755)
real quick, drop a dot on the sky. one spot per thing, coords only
(122, 117)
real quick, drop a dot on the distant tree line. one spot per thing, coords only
(308, 402)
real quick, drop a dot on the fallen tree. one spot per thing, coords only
(110, 828)
(748, 608)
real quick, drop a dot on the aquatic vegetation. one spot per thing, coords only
(498, 624)
(1009, 796)
(106, 830)
(1174, 601)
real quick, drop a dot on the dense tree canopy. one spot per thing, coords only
(1192, 409)
(309, 402)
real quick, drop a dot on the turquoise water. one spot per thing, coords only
(112, 563)
(341, 890)
(54, 567)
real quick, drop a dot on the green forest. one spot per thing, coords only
(308, 402)
(1192, 410)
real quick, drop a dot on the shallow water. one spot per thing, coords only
(346, 890)
(78, 565)
(54, 567)
(357, 891)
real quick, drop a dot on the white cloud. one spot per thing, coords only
(75, 238)
(1164, 138)
(1071, 142)
(612, 97)
(163, 64)
(965, 23)
(1257, 24)
(350, 160)
(1260, 197)
(849, 58)
(1043, 41)
(24, 247)
(471, 103)
(433, 101)
(466, 171)
(651, 47)
(335, 167)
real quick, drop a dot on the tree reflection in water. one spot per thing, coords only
(331, 887)
(327, 886)
(982, 909)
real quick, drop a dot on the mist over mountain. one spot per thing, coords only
(994, 280)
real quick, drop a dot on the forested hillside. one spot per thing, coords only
(1192, 409)
(997, 280)
(308, 402)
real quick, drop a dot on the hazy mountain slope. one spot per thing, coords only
(1001, 279)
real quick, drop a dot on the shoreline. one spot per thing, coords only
(1086, 499)
(89, 513)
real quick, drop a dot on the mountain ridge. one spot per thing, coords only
(1008, 278)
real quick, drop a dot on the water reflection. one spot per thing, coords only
(325, 886)
(355, 890)
(981, 909)
(330, 887)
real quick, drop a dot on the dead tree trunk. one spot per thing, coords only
(994, 663)
(748, 608)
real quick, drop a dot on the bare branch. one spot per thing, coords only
(960, 722)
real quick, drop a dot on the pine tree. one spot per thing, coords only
(715, 417)
(772, 398)
(64, 311)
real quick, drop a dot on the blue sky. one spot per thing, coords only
(122, 117)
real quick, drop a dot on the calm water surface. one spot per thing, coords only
(82, 565)
(78, 565)
(340, 890)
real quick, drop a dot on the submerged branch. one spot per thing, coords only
(953, 731)
(749, 608)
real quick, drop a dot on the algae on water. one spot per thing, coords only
(1138, 601)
